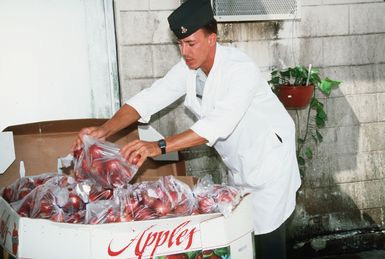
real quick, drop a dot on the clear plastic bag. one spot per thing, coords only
(215, 197)
(23, 186)
(102, 162)
(179, 195)
(102, 211)
(57, 199)
(167, 197)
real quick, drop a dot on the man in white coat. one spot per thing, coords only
(236, 113)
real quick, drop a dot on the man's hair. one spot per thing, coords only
(211, 27)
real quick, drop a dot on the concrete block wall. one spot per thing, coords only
(344, 186)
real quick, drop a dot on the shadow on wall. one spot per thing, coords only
(338, 209)
(203, 159)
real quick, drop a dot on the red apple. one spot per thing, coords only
(95, 151)
(76, 218)
(225, 196)
(77, 153)
(147, 199)
(206, 204)
(131, 204)
(24, 192)
(162, 207)
(58, 216)
(145, 213)
(8, 194)
(74, 204)
(100, 195)
(183, 209)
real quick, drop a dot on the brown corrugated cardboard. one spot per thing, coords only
(40, 144)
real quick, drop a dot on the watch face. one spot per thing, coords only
(162, 145)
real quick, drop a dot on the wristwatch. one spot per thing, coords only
(162, 145)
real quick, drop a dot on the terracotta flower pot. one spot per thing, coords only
(295, 97)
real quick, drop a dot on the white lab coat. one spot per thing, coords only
(241, 118)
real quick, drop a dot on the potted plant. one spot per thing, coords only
(296, 88)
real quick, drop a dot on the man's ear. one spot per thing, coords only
(212, 39)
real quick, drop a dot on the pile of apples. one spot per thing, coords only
(167, 197)
(100, 192)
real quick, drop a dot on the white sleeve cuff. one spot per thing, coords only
(144, 118)
(202, 130)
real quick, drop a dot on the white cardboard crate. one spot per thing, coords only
(44, 239)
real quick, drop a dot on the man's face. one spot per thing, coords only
(195, 49)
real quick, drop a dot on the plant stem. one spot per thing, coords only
(307, 128)
(298, 129)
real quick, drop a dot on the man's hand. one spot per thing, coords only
(137, 151)
(121, 119)
(96, 132)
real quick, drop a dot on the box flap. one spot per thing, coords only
(7, 150)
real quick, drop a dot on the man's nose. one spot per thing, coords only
(183, 49)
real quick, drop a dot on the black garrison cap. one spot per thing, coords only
(190, 17)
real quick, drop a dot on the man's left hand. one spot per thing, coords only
(137, 151)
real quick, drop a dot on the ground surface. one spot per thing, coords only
(372, 254)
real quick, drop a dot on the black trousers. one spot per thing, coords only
(271, 245)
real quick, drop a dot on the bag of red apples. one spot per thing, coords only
(101, 193)
(214, 198)
(102, 162)
(20, 188)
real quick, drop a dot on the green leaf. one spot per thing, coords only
(285, 73)
(327, 84)
(274, 73)
(321, 112)
(222, 251)
(309, 153)
(274, 81)
(321, 116)
(299, 73)
(325, 87)
(319, 122)
(319, 136)
(315, 79)
(192, 254)
(314, 103)
(335, 83)
(301, 160)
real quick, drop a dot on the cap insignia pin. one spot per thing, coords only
(183, 29)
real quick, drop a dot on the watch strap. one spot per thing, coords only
(162, 145)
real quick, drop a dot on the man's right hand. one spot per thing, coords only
(124, 117)
(96, 132)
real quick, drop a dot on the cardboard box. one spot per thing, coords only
(44, 239)
(39, 145)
